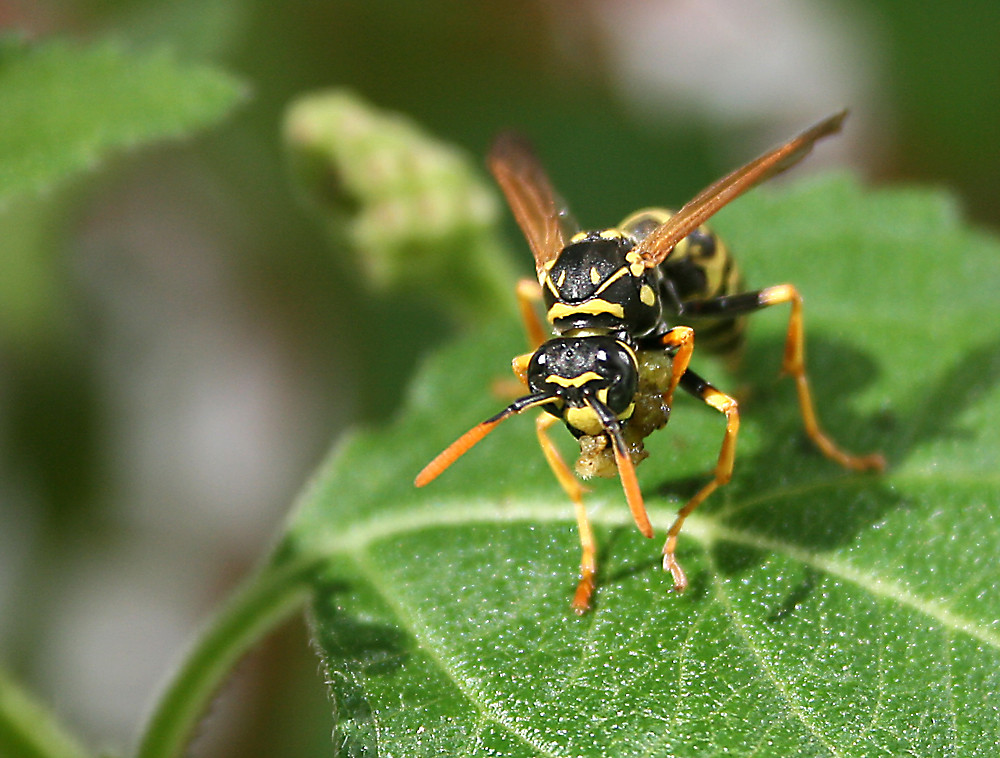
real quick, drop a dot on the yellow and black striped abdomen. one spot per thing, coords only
(699, 268)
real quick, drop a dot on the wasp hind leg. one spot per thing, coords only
(723, 403)
(793, 363)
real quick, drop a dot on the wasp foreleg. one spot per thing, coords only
(572, 487)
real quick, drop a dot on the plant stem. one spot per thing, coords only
(28, 730)
(263, 602)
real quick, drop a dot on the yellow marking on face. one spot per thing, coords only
(595, 276)
(573, 381)
(611, 234)
(562, 277)
(547, 266)
(646, 295)
(587, 421)
(551, 285)
(583, 419)
(578, 237)
(593, 307)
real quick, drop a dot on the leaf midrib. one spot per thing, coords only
(707, 529)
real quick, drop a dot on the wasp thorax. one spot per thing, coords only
(583, 372)
(597, 283)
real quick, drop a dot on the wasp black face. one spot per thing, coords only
(581, 371)
(597, 283)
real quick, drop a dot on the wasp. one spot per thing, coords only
(625, 304)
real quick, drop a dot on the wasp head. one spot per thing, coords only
(590, 379)
(590, 383)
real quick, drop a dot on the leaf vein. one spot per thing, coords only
(474, 698)
(785, 691)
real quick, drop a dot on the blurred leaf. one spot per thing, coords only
(33, 299)
(65, 107)
(417, 216)
(200, 29)
(830, 613)
(27, 730)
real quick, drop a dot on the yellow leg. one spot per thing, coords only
(528, 295)
(520, 367)
(680, 338)
(794, 366)
(572, 487)
(723, 473)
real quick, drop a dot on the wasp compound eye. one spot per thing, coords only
(616, 363)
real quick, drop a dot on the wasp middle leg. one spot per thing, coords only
(723, 472)
(793, 363)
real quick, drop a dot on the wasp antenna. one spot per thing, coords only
(463, 444)
(454, 451)
(626, 469)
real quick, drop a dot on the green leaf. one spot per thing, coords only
(66, 107)
(830, 613)
(28, 730)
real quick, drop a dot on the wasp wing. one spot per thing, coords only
(661, 241)
(529, 193)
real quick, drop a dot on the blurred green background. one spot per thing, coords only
(181, 344)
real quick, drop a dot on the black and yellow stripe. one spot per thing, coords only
(700, 268)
